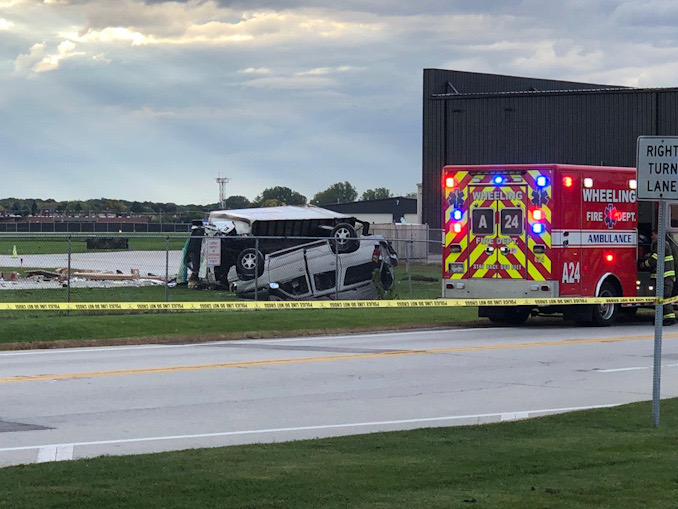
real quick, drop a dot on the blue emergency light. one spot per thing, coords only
(456, 215)
(498, 179)
(542, 181)
(537, 228)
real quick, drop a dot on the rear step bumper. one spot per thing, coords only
(498, 289)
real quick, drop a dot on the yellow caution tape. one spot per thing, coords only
(324, 304)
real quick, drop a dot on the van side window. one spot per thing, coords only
(296, 286)
(325, 280)
(359, 273)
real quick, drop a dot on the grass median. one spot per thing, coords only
(599, 458)
(51, 329)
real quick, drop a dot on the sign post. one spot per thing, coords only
(657, 179)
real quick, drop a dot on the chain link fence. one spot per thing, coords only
(93, 227)
(178, 267)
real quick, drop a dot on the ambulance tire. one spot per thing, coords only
(505, 315)
(517, 315)
(604, 315)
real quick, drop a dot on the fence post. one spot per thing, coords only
(409, 272)
(68, 276)
(167, 269)
(336, 268)
(256, 269)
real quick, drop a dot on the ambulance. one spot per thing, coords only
(539, 231)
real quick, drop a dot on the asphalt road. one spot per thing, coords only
(64, 404)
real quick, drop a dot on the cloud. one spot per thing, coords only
(252, 70)
(291, 83)
(270, 91)
(36, 61)
(647, 13)
(320, 71)
(25, 62)
(149, 113)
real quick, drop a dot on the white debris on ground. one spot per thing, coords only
(35, 284)
(90, 270)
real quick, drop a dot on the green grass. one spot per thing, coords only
(117, 294)
(47, 326)
(425, 281)
(608, 458)
(56, 326)
(57, 244)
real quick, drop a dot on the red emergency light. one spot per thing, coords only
(609, 257)
(457, 228)
(538, 214)
(568, 181)
(451, 182)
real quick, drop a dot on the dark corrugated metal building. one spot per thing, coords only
(474, 118)
(398, 206)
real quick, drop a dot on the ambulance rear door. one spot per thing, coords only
(497, 234)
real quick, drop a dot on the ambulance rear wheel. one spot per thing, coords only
(606, 314)
(505, 315)
(517, 315)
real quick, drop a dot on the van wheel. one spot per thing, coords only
(606, 314)
(344, 236)
(249, 264)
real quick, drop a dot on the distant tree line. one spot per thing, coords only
(341, 192)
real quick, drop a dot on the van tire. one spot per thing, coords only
(344, 238)
(249, 264)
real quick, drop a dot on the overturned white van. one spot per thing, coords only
(243, 238)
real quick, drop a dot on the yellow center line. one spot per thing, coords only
(303, 360)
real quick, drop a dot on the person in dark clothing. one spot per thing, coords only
(650, 261)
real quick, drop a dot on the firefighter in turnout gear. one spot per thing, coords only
(650, 261)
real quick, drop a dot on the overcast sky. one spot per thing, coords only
(151, 100)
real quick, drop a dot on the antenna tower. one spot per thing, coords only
(222, 181)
